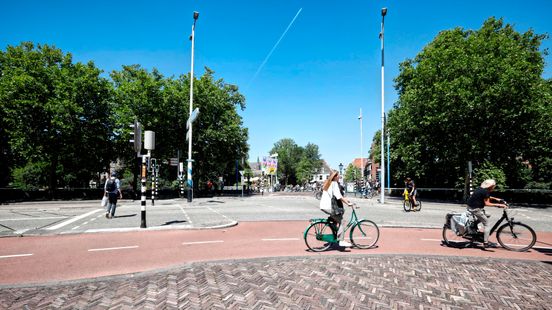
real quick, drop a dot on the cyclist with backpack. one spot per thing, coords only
(332, 189)
(112, 190)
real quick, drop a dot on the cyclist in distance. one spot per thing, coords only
(480, 198)
(332, 189)
(412, 191)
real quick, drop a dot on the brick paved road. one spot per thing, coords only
(322, 282)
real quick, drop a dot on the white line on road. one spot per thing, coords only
(117, 248)
(280, 239)
(202, 242)
(15, 255)
(73, 220)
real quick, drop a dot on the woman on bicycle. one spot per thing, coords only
(480, 198)
(330, 189)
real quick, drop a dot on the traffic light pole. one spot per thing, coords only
(143, 190)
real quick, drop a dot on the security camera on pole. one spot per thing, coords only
(190, 119)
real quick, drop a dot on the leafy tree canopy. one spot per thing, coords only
(473, 96)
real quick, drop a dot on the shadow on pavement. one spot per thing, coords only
(173, 222)
(121, 216)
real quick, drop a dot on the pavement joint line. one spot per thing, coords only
(280, 239)
(115, 248)
(15, 255)
(214, 211)
(73, 220)
(202, 242)
(34, 218)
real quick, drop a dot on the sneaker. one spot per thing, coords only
(489, 245)
(107, 215)
(345, 244)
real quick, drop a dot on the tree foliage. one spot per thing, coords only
(61, 123)
(295, 163)
(352, 173)
(472, 96)
(55, 114)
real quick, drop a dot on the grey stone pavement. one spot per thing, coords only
(308, 282)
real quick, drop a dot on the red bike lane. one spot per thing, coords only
(47, 259)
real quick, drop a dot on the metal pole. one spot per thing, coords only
(361, 150)
(143, 190)
(382, 160)
(152, 184)
(190, 182)
(388, 164)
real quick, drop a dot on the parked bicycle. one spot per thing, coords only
(408, 203)
(318, 194)
(322, 233)
(512, 235)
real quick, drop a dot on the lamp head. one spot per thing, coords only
(196, 15)
(383, 11)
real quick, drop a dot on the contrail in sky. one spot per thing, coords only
(274, 47)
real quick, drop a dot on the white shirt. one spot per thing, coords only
(326, 200)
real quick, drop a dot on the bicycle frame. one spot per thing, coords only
(333, 236)
(497, 224)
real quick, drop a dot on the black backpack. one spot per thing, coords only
(111, 186)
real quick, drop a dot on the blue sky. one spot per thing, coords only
(310, 89)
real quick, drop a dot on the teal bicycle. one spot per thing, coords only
(321, 234)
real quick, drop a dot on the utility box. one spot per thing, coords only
(149, 140)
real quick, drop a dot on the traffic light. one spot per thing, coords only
(136, 136)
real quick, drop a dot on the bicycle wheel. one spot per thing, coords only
(519, 237)
(406, 205)
(418, 207)
(452, 240)
(364, 234)
(314, 236)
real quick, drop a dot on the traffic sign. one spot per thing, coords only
(192, 118)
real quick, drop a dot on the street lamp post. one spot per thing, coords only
(341, 172)
(190, 182)
(382, 159)
(361, 151)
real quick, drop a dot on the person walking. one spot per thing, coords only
(331, 189)
(112, 190)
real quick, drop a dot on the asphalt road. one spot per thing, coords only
(68, 217)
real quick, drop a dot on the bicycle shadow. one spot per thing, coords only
(337, 248)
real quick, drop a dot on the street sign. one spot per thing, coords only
(192, 118)
(174, 162)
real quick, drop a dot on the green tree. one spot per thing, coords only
(471, 95)
(309, 163)
(162, 105)
(352, 173)
(55, 114)
(289, 156)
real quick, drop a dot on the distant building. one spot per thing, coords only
(322, 174)
(368, 166)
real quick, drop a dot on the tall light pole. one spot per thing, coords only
(361, 151)
(190, 182)
(382, 160)
(388, 159)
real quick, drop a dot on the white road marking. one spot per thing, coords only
(15, 255)
(35, 218)
(117, 248)
(202, 242)
(280, 239)
(185, 214)
(73, 220)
